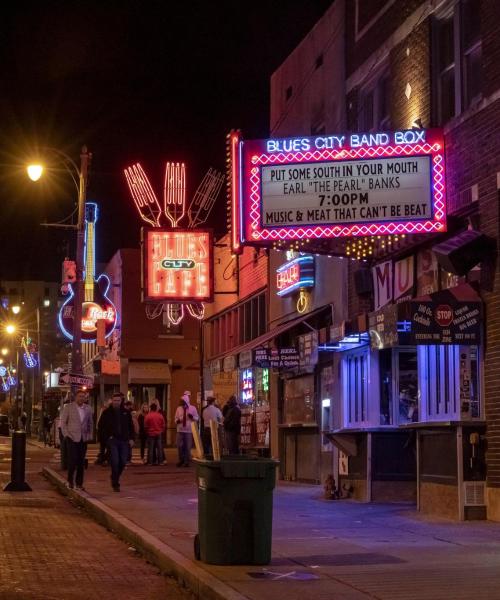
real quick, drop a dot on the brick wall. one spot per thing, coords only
(252, 271)
(473, 157)
(490, 19)
(357, 52)
(410, 63)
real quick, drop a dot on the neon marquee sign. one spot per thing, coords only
(177, 265)
(295, 275)
(334, 187)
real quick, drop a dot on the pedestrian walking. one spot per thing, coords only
(76, 428)
(47, 424)
(129, 405)
(103, 454)
(211, 412)
(118, 431)
(162, 460)
(232, 425)
(184, 416)
(154, 424)
(143, 436)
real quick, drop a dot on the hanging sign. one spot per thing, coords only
(296, 274)
(177, 265)
(276, 358)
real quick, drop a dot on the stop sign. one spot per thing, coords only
(443, 315)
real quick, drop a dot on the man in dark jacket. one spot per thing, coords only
(232, 425)
(118, 431)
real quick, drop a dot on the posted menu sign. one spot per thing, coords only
(452, 316)
(388, 189)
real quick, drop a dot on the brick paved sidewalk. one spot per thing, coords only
(51, 550)
(321, 550)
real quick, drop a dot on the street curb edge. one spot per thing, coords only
(203, 584)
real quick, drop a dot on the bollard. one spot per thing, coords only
(18, 464)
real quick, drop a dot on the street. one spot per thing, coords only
(51, 550)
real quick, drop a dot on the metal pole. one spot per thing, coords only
(76, 354)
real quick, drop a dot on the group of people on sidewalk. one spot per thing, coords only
(118, 427)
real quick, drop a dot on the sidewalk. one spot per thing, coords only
(51, 550)
(322, 550)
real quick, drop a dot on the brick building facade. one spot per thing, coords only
(426, 64)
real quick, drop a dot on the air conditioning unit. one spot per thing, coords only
(474, 493)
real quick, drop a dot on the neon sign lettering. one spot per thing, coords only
(247, 386)
(177, 265)
(295, 274)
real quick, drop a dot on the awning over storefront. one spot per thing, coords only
(273, 333)
(452, 316)
(149, 372)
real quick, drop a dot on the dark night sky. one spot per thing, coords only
(147, 80)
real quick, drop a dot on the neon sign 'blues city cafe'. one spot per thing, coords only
(336, 186)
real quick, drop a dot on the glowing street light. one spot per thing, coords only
(16, 309)
(79, 174)
(34, 172)
(10, 329)
(4, 351)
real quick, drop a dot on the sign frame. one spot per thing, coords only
(145, 231)
(249, 157)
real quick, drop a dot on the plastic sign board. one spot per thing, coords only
(336, 186)
(177, 265)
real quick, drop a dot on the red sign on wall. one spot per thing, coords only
(177, 265)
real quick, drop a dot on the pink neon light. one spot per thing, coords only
(174, 192)
(235, 184)
(259, 234)
(144, 197)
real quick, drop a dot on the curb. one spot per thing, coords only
(204, 585)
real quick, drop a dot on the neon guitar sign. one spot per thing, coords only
(97, 305)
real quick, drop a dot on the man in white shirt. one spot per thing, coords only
(184, 416)
(76, 427)
(211, 412)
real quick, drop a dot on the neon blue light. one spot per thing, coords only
(103, 277)
(303, 260)
(3, 371)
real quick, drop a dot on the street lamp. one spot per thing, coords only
(4, 351)
(10, 329)
(34, 172)
(16, 309)
(80, 178)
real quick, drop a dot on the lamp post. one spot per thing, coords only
(35, 171)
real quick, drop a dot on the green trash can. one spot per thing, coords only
(235, 510)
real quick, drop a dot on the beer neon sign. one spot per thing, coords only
(295, 275)
(177, 265)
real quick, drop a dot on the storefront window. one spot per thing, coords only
(298, 404)
(407, 384)
(386, 395)
(355, 387)
(254, 402)
(449, 382)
